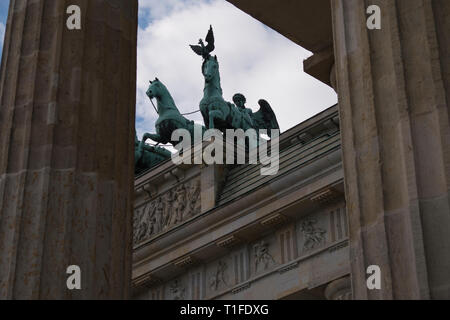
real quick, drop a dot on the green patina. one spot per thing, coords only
(146, 157)
(170, 118)
(220, 114)
(217, 113)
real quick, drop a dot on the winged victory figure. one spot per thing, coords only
(265, 118)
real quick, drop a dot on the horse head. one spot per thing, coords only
(210, 68)
(155, 89)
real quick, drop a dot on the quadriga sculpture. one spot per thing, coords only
(220, 114)
(170, 118)
(146, 157)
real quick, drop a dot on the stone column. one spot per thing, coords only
(394, 94)
(66, 149)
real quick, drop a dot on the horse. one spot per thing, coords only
(170, 118)
(216, 112)
(220, 114)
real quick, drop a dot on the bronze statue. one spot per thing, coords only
(146, 157)
(216, 112)
(170, 118)
(239, 100)
(220, 114)
(203, 50)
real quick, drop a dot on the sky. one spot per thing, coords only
(4, 5)
(254, 60)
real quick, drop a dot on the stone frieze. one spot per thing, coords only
(166, 210)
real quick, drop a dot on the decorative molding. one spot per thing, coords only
(274, 219)
(184, 262)
(241, 288)
(150, 189)
(227, 242)
(288, 267)
(280, 270)
(139, 191)
(305, 137)
(146, 280)
(326, 197)
(178, 173)
(338, 246)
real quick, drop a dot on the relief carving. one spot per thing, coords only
(262, 257)
(177, 290)
(219, 277)
(159, 208)
(194, 194)
(144, 222)
(179, 204)
(167, 210)
(313, 235)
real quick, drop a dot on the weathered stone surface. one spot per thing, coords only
(307, 23)
(340, 289)
(394, 92)
(166, 210)
(66, 149)
(287, 232)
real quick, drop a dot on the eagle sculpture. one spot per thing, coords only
(218, 113)
(203, 50)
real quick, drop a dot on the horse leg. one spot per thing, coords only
(153, 136)
(211, 119)
(214, 114)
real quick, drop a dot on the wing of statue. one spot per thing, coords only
(210, 40)
(265, 117)
(203, 50)
(197, 49)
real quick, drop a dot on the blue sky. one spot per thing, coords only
(4, 4)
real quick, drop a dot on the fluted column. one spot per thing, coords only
(394, 94)
(66, 149)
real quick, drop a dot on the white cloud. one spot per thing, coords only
(254, 60)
